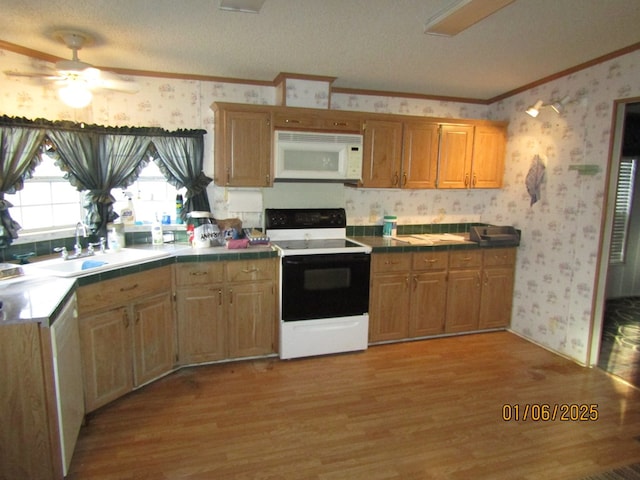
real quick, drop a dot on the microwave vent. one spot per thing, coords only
(326, 138)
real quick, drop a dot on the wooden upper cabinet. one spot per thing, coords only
(419, 155)
(488, 156)
(456, 150)
(243, 147)
(382, 157)
(316, 120)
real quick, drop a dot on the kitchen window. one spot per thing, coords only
(48, 202)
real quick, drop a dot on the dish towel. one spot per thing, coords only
(534, 178)
(87, 264)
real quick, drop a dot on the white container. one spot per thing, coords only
(202, 231)
(390, 226)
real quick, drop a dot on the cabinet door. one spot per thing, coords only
(428, 304)
(106, 348)
(497, 297)
(454, 163)
(244, 158)
(389, 307)
(488, 156)
(382, 154)
(419, 155)
(251, 319)
(463, 300)
(153, 338)
(201, 324)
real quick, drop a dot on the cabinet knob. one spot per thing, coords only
(129, 288)
(288, 120)
(198, 274)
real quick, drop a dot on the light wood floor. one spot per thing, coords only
(421, 410)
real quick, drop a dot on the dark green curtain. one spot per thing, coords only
(20, 148)
(97, 159)
(97, 162)
(180, 159)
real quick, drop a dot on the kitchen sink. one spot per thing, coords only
(99, 262)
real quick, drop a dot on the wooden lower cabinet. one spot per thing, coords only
(407, 298)
(40, 415)
(226, 309)
(425, 293)
(128, 342)
(463, 291)
(497, 287)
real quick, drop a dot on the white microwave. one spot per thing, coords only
(317, 156)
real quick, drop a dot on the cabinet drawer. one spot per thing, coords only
(430, 261)
(465, 259)
(119, 291)
(251, 270)
(338, 124)
(200, 273)
(390, 262)
(316, 121)
(295, 120)
(499, 256)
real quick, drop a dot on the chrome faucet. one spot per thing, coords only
(80, 228)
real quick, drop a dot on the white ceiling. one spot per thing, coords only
(365, 44)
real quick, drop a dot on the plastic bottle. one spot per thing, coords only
(128, 214)
(157, 237)
(179, 205)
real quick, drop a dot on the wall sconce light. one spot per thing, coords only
(75, 95)
(534, 110)
(558, 106)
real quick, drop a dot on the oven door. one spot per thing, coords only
(325, 286)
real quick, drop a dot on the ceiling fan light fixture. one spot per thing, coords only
(75, 96)
(534, 110)
(460, 15)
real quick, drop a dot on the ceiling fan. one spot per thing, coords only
(76, 79)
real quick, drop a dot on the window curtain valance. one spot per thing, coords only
(97, 159)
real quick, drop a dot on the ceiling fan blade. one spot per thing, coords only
(46, 75)
(109, 81)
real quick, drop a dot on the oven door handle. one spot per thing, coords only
(322, 258)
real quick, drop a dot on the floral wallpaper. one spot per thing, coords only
(558, 257)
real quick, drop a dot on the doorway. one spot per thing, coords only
(616, 336)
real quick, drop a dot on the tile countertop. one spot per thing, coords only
(397, 244)
(33, 299)
(37, 296)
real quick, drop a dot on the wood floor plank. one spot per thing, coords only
(422, 410)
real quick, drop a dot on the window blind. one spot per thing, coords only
(624, 197)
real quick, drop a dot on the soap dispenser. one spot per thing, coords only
(157, 236)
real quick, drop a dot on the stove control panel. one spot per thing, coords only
(281, 218)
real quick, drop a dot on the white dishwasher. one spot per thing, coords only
(65, 338)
